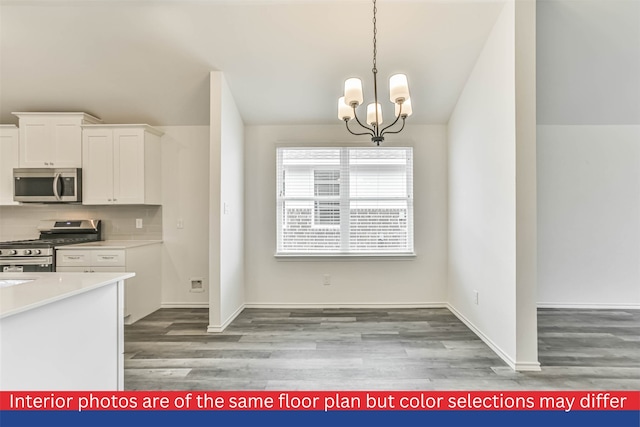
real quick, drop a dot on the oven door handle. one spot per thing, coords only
(56, 180)
(26, 260)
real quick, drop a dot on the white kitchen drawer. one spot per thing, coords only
(73, 258)
(108, 258)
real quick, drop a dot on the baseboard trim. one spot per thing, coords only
(589, 306)
(528, 366)
(221, 328)
(288, 305)
(516, 366)
(184, 305)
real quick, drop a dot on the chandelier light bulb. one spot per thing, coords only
(406, 108)
(353, 91)
(398, 88)
(345, 112)
(371, 114)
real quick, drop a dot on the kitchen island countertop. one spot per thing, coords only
(45, 288)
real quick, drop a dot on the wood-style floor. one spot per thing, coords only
(367, 349)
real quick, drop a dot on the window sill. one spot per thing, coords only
(403, 256)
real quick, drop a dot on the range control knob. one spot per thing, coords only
(37, 251)
(13, 252)
(27, 251)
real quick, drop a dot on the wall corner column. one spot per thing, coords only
(526, 194)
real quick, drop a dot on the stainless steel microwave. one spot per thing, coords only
(41, 185)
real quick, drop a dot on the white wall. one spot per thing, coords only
(185, 199)
(226, 206)
(232, 197)
(484, 254)
(272, 282)
(589, 216)
(589, 153)
(526, 194)
(588, 62)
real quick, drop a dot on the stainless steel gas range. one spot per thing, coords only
(38, 255)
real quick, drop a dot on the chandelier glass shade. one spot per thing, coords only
(353, 98)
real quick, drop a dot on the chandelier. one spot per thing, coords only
(398, 94)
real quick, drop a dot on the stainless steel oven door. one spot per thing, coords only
(26, 264)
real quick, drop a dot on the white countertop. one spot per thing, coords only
(46, 288)
(111, 244)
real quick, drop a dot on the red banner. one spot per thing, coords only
(321, 400)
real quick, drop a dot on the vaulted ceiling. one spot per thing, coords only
(285, 61)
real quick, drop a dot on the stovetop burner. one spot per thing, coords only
(57, 233)
(39, 255)
(55, 241)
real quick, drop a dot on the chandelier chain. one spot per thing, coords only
(375, 32)
(376, 127)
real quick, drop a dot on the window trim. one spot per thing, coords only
(344, 183)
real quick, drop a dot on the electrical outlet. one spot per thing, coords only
(180, 223)
(197, 284)
(475, 297)
(326, 280)
(138, 222)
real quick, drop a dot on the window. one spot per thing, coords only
(345, 201)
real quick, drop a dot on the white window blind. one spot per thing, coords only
(344, 200)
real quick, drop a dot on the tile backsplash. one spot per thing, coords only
(118, 222)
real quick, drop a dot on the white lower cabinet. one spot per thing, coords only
(142, 294)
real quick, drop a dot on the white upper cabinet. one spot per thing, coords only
(97, 171)
(52, 140)
(121, 165)
(8, 161)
